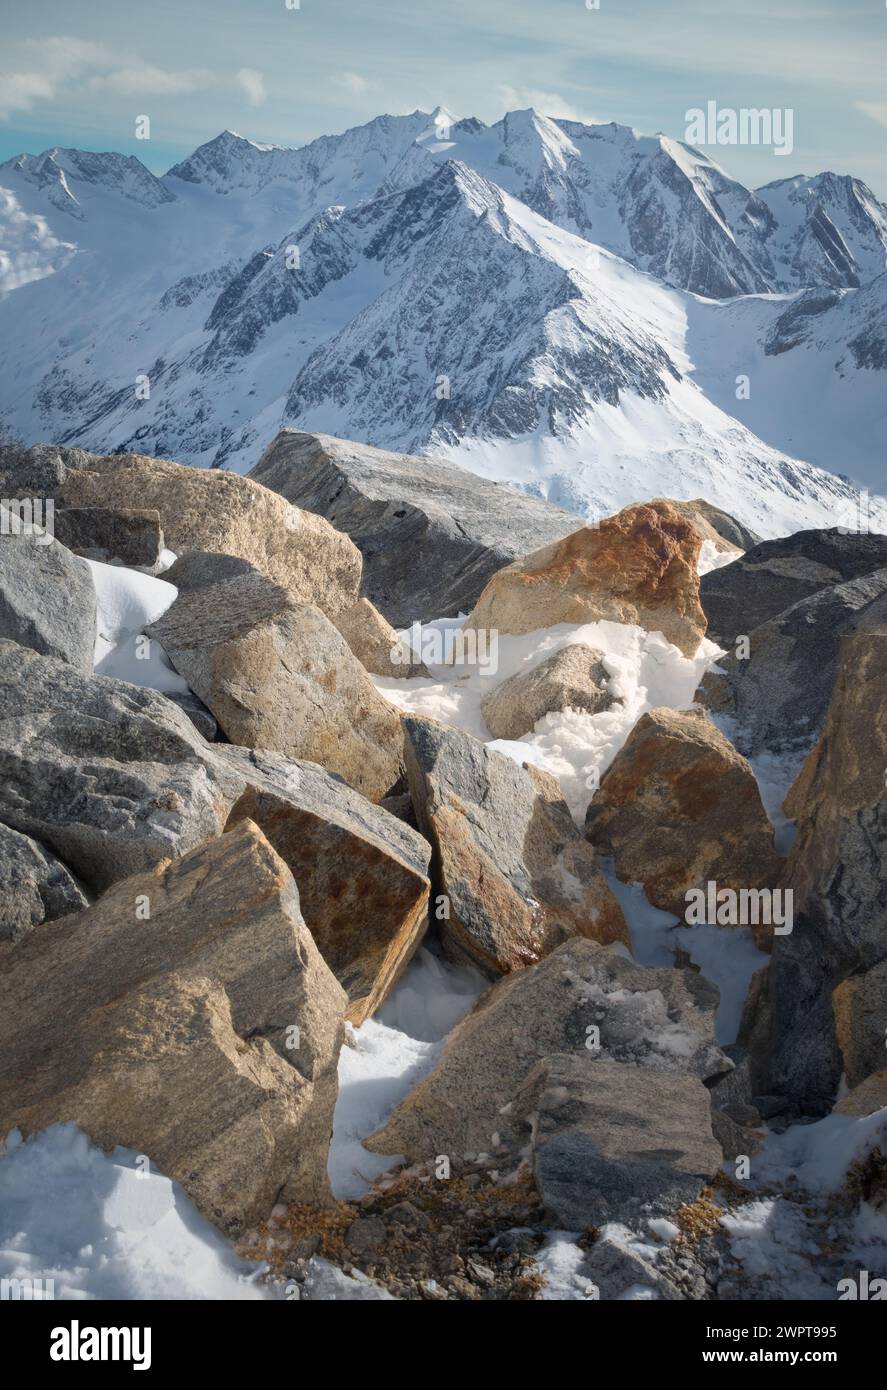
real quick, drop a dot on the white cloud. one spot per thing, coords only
(64, 55)
(546, 103)
(45, 66)
(252, 84)
(876, 109)
(19, 91)
(41, 70)
(30, 251)
(353, 82)
(145, 80)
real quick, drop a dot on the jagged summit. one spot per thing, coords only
(65, 172)
(559, 304)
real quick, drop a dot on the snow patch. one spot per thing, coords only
(102, 1228)
(127, 600)
(643, 669)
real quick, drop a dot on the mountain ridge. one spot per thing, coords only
(425, 284)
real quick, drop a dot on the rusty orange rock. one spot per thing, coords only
(636, 567)
(679, 808)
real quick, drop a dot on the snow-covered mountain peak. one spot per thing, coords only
(44, 173)
(334, 169)
(826, 229)
(441, 116)
(66, 173)
(563, 305)
(229, 163)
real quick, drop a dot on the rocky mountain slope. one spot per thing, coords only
(564, 307)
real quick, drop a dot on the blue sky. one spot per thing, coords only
(80, 74)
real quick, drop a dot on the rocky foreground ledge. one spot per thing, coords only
(207, 886)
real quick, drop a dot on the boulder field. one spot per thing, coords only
(216, 871)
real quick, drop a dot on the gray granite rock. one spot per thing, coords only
(572, 678)
(777, 697)
(617, 1264)
(837, 871)
(36, 470)
(110, 776)
(200, 509)
(35, 886)
(277, 674)
(726, 526)
(774, 575)
(614, 1142)
(512, 870)
(47, 599)
(431, 533)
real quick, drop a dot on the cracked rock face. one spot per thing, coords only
(836, 870)
(277, 674)
(173, 1034)
(636, 567)
(777, 696)
(611, 1143)
(112, 777)
(397, 506)
(362, 873)
(515, 874)
(35, 886)
(654, 1018)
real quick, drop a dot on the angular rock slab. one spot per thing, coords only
(112, 777)
(615, 1142)
(204, 511)
(200, 569)
(36, 470)
(399, 506)
(777, 696)
(47, 600)
(661, 1019)
(277, 674)
(678, 808)
(375, 643)
(35, 886)
(516, 872)
(173, 1034)
(362, 874)
(639, 566)
(572, 678)
(837, 870)
(775, 575)
(369, 636)
(210, 510)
